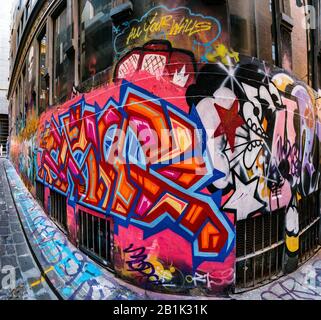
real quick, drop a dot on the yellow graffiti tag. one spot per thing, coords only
(292, 243)
(168, 26)
(42, 279)
(222, 54)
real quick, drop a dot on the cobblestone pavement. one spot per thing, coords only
(15, 256)
(75, 276)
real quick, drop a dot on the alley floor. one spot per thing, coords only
(74, 276)
(15, 254)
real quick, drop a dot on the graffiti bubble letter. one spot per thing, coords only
(9, 280)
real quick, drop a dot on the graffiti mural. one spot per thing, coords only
(132, 179)
(156, 167)
(188, 139)
(23, 151)
(268, 152)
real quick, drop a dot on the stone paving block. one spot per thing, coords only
(37, 289)
(18, 274)
(15, 227)
(18, 237)
(10, 249)
(4, 231)
(4, 224)
(8, 261)
(6, 239)
(4, 217)
(26, 263)
(13, 220)
(22, 249)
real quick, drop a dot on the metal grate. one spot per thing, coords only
(309, 222)
(58, 209)
(259, 249)
(40, 192)
(95, 237)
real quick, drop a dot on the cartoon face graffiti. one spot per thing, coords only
(251, 135)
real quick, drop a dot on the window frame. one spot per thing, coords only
(90, 79)
(43, 33)
(63, 6)
(255, 50)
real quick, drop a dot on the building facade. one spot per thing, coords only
(5, 19)
(175, 142)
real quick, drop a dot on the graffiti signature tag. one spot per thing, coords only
(170, 27)
(138, 263)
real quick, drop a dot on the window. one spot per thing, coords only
(286, 48)
(63, 60)
(286, 7)
(58, 209)
(309, 223)
(17, 106)
(95, 38)
(30, 82)
(253, 29)
(40, 192)
(95, 237)
(43, 84)
(22, 99)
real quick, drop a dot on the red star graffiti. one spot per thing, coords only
(230, 121)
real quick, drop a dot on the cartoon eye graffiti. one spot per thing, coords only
(252, 111)
(275, 95)
(267, 99)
